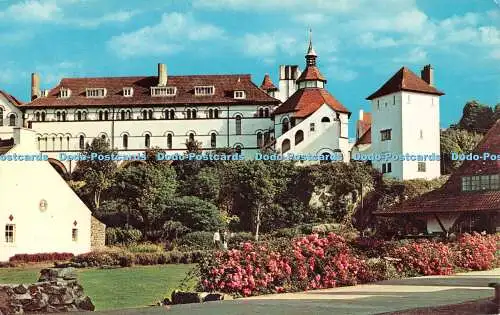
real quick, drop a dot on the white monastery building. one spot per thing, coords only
(404, 121)
(34, 199)
(229, 111)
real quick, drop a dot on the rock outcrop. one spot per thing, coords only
(57, 290)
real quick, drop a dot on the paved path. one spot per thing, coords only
(385, 296)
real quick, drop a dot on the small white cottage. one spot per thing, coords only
(39, 212)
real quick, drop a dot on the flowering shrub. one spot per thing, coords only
(424, 257)
(41, 257)
(476, 252)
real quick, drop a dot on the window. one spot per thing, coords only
(163, 91)
(266, 112)
(385, 135)
(238, 149)
(147, 141)
(421, 134)
(483, 182)
(193, 113)
(421, 166)
(12, 120)
(43, 116)
(38, 140)
(261, 112)
(10, 233)
(285, 125)
(65, 93)
(169, 141)
(128, 91)
(378, 104)
(150, 114)
(95, 92)
(213, 140)
(74, 235)
(389, 167)
(63, 114)
(299, 137)
(122, 115)
(191, 137)
(325, 119)
(239, 94)
(172, 114)
(101, 115)
(144, 114)
(210, 113)
(386, 168)
(260, 139)
(1, 116)
(82, 142)
(125, 142)
(203, 90)
(238, 125)
(285, 146)
(216, 113)
(394, 100)
(311, 127)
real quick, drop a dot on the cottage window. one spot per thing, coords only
(10, 233)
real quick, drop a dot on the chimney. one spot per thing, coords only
(162, 74)
(282, 72)
(427, 74)
(35, 86)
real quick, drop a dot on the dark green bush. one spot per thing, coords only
(196, 240)
(122, 236)
(240, 237)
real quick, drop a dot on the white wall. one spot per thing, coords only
(7, 110)
(22, 186)
(446, 219)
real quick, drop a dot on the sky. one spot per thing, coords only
(360, 43)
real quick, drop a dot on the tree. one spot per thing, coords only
(147, 190)
(456, 141)
(205, 184)
(96, 171)
(477, 117)
(194, 213)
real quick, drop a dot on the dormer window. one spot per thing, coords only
(204, 90)
(128, 91)
(163, 90)
(95, 92)
(65, 93)
(239, 94)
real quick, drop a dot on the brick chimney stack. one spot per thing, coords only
(35, 86)
(427, 74)
(162, 74)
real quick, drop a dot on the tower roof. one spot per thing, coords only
(311, 72)
(267, 84)
(404, 80)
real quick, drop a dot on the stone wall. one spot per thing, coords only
(98, 234)
(56, 291)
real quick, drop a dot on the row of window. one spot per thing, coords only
(10, 233)
(481, 182)
(387, 167)
(12, 119)
(146, 114)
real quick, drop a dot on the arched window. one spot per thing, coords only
(125, 142)
(299, 136)
(285, 146)
(79, 115)
(167, 114)
(60, 143)
(285, 125)
(325, 119)
(53, 143)
(150, 114)
(172, 114)
(43, 116)
(193, 113)
(106, 115)
(213, 140)
(38, 140)
(82, 142)
(1, 116)
(266, 112)
(216, 113)
(58, 116)
(63, 116)
(326, 158)
(188, 114)
(103, 137)
(12, 120)
(122, 115)
(210, 113)
(238, 149)
(101, 115)
(191, 137)
(37, 117)
(147, 141)
(144, 114)
(260, 139)
(261, 112)
(238, 125)
(67, 143)
(169, 141)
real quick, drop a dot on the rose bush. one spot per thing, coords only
(477, 252)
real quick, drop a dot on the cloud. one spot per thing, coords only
(341, 73)
(32, 10)
(170, 35)
(116, 17)
(416, 55)
(268, 44)
(369, 40)
(52, 73)
(310, 19)
(295, 5)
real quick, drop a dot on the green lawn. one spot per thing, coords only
(116, 288)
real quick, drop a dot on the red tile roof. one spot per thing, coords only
(267, 84)
(366, 137)
(11, 98)
(363, 125)
(450, 198)
(405, 80)
(225, 85)
(307, 100)
(311, 73)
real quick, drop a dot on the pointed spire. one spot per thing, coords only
(310, 50)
